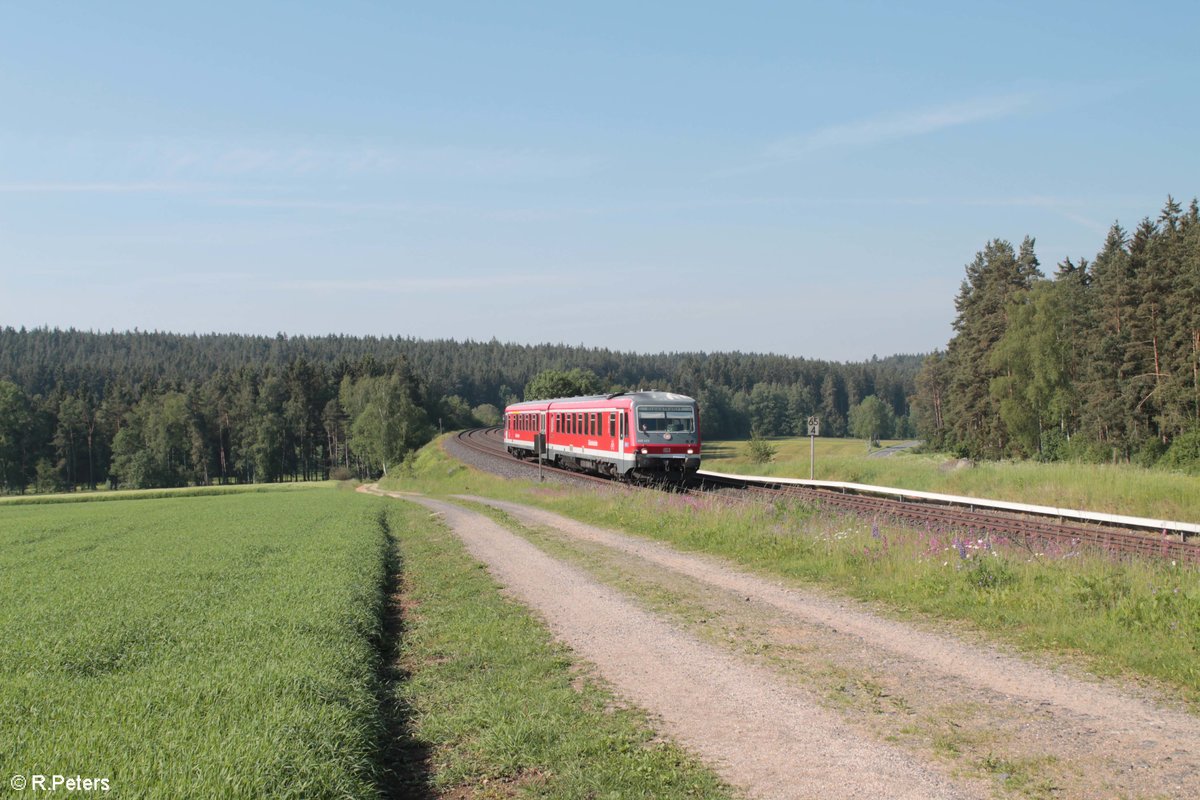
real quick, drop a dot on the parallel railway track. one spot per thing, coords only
(967, 522)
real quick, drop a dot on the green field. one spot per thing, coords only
(1114, 489)
(102, 495)
(194, 647)
(282, 643)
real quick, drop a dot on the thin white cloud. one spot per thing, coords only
(463, 283)
(1064, 207)
(882, 129)
(84, 187)
(351, 160)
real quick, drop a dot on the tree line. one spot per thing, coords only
(144, 409)
(1099, 362)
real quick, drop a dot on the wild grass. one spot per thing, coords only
(502, 708)
(195, 647)
(1139, 618)
(1108, 488)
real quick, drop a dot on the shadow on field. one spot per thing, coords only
(404, 770)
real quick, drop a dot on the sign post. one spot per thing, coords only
(814, 430)
(539, 444)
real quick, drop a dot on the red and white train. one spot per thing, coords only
(645, 435)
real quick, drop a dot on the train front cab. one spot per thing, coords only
(666, 438)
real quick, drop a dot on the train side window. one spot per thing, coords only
(624, 425)
(579, 421)
(592, 425)
(612, 424)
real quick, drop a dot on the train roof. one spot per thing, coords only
(639, 397)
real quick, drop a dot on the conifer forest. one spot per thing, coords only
(1098, 362)
(138, 409)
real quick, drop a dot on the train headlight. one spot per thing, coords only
(645, 451)
(691, 451)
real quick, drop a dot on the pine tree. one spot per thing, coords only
(1104, 415)
(995, 280)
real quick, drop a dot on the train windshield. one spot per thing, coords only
(664, 419)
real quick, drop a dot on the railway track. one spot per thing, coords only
(487, 441)
(1025, 529)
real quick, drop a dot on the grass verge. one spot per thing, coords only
(1107, 488)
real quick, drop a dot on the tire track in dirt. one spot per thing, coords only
(756, 729)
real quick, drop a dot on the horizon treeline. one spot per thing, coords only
(145, 409)
(1100, 362)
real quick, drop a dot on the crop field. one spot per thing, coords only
(194, 646)
(286, 643)
(103, 495)
(1114, 489)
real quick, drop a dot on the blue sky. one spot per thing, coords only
(807, 179)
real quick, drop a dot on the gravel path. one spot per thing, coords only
(760, 732)
(891, 450)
